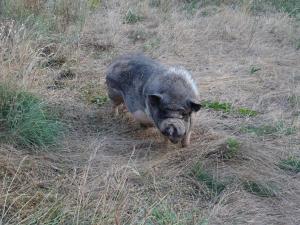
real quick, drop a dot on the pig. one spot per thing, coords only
(156, 95)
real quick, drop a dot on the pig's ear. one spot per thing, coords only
(195, 105)
(155, 99)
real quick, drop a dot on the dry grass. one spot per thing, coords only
(109, 171)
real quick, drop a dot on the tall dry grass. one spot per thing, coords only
(108, 171)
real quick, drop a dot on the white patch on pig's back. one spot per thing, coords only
(142, 117)
(186, 75)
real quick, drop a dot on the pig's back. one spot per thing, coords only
(129, 74)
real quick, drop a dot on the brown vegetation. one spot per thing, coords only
(108, 170)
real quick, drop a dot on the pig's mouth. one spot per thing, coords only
(173, 129)
(174, 141)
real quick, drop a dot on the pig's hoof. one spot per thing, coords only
(166, 142)
(115, 111)
(184, 144)
(186, 140)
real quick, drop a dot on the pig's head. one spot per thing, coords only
(171, 98)
(173, 119)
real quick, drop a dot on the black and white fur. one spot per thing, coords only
(156, 95)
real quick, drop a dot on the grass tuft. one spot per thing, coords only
(26, 120)
(93, 4)
(214, 186)
(254, 69)
(47, 17)
(99, 100)
(162, 216)
(266, 129)
(259, 188)
(131, 17)
(191, 6)
(94, 95)
(232, 147)
(246, 112)
(291, 164)
(218, 106)
(228, 108)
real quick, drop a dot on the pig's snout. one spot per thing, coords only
(174, 129)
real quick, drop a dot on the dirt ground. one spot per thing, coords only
(109, 170)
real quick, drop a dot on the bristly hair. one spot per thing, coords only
(186, 75)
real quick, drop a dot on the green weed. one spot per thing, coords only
(259, 188)
(213, 185)
(254, 69)
(152, 44)
(191, 6)
(294, 100)
(218, 106)
(290, 6)
(228, 108)
(246, 112)
(298, 44)
(93, 4)
(154, 3)
(290, 164)
(131, 17)
(45, 16)
(163, 216)
(99, 100)
(232, 147)
(26, 120)
(263, 130)
(93, 96)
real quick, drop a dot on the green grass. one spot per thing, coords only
(291, 164)
(162, 215)
(259, 188)
(290, 6)
(246, 112)
(213, 185)
(298, 44)
(132, 17)
(45, 18)
(26, 120)
(254, 69)
(99, 99)
(191, 6)
(232, 148)
(294, 101)
(218, 106)
(279, 128)
(228, 108)
(152, 44)
(93, 4)
(94, 95)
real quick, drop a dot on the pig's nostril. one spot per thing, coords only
(164, 132)
(171, 130)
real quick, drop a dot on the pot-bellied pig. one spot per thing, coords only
(156, 95)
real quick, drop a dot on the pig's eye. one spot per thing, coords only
(183, 113)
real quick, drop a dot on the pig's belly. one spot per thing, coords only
(142, 118)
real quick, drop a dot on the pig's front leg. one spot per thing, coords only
(187, 138)
(115, 110)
